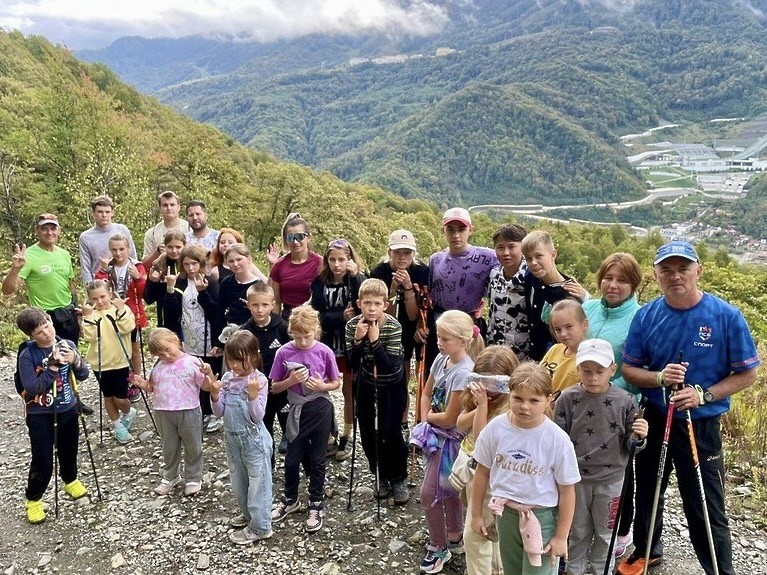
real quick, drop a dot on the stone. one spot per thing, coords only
(203, 561)
(330, 568)
(45, 558)
(395, 545)
(118, 561)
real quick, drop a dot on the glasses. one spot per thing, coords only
(297, 237)
(339, 243)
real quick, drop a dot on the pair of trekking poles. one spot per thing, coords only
(659, 485)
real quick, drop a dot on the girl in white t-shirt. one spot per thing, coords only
(459, 341)
(530, 465)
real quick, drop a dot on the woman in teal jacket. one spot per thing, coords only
(610, 316)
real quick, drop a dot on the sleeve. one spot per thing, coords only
(90, 327)
(561, 412)
(131, 245)
(331, 319)
(353, 352)
(153, 291)
(276, 273)
(149, 244)
(171, 307)
(139, 284)
(86, 262)
(125, 320)
(34, 383)
(485, 446)
(208, 300)
(387, 353)
(331, 365)
(566, 464)
(219, 407)
(741, 349)
(279, 372)
(219, 320)
(257, 407)
(85, 370)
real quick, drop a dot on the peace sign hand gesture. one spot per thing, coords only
(19, 256)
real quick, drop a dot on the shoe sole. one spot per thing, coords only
(313, 529)
(284, 515)
(635, 568)
(441, 567)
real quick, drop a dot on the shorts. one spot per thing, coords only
(114, 382)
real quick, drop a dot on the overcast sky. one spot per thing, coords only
(96, 23)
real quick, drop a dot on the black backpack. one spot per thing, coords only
(37, 358)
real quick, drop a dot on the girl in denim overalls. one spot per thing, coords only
(240, 399)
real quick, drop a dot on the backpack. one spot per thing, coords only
(37, 358)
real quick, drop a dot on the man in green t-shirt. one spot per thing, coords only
(47, 271)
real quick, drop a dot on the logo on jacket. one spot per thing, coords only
(275, 344)
(704, 332)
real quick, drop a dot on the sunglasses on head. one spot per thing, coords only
(339, 243)
(296, 237)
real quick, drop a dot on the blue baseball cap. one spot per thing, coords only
(676, 249)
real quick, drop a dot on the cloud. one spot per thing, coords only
(93, 23)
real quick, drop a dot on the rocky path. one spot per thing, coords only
(133, 531)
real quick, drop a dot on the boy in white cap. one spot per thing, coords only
(602, 421)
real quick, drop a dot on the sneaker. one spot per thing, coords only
(435, 559)
(127, 419)
(239, 521)
(282, 448)
(134, 394)
(332, 449)
(192, 487)
(314, 520)
(635, 565)
(75, 489)
(166, 486)
(344, 449)
(622, 543)
(122, 435)
(214, 425)
(35, 512)
(246, 536)
(400, 492)
(283, 509)
(456, 547)
(384, 489)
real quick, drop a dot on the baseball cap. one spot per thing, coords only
(43, 219)
(456, 215)
(676, 249)
(401, 240)
(597, 350)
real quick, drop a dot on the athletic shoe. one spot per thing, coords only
(127, 419)
(332, 449)
(35, 511)
(75, 489)
(121, 434)
(435, 559)
(246, 536)
(622, 543)
(134, 394)
(400, 492)
(344, 449)
(282, 448)
(239, 521)
(456, 547)
(635, 565)
(214, 425)
(384, 489)
(283, 509)
(192, 487)
(166, 486)
(314, 520)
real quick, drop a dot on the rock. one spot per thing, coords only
(330, 568)
(11, 569)
(395, 545)
(45, 558)
(203, 561)
(82, 551)
(761, 545)
(146, 436)
(118, 561)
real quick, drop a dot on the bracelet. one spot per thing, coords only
(659, 381)
(409, 289)
(701, 396)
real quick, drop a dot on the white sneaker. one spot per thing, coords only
(215, 424)
(192, 487)
(246, 536)
(166, 486)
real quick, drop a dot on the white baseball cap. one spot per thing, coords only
(401, 240)
(597, 350)
(456, 215)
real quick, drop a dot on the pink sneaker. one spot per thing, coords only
(622, 543)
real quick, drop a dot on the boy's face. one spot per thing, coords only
(541, 260)
(260, 306)
(102, 215)
(509, 253)
(595, 378)
(372, 307)
(169, 208)
(44, 335)
(457, 235)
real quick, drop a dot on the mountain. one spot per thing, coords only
(511, 102)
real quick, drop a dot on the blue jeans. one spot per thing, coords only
(249, 452)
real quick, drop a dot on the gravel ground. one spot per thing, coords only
(133, 531)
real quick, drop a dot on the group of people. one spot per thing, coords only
(525, 441)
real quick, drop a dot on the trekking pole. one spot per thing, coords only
(56, 448)
(90, 454)
(623, 496)
(101, 400)
(701, 488)
(659, 482)
(130, 368)
(375, 437)
(349, 505)
(141, 350)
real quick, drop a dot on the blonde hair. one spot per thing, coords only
(533, 377)
(240, 249)
(459, 324)
(373, 287)
(568, 305)
(304, 319)
(160, 338)
(493, 360)
(535, 239)
(97, 284)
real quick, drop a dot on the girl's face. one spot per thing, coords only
(528, 408)
(119, 251)
(448, 344)
(297, 239)
(238, 263)
(173, 249)
(401, 259)
(337, 262)
(615, 286)
(303, 340)
(237, 367)
(100, 298)
(191, 267)
(568, 330)
(170, 352)
(225, 241)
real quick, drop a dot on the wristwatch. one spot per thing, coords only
(708, 397)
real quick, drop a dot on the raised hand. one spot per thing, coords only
(401, 278)
(133, 271)
(87, 309)
(361, 332)
(200, 282)
(118, 302)
(155, 275)
(374, 330)
(170, 280)
(19, 256)
(351, 267)
(255, 385)
(349, 312)
(272, 254)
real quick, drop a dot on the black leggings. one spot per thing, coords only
(40, 426)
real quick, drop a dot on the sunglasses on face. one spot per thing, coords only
(297, 237)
